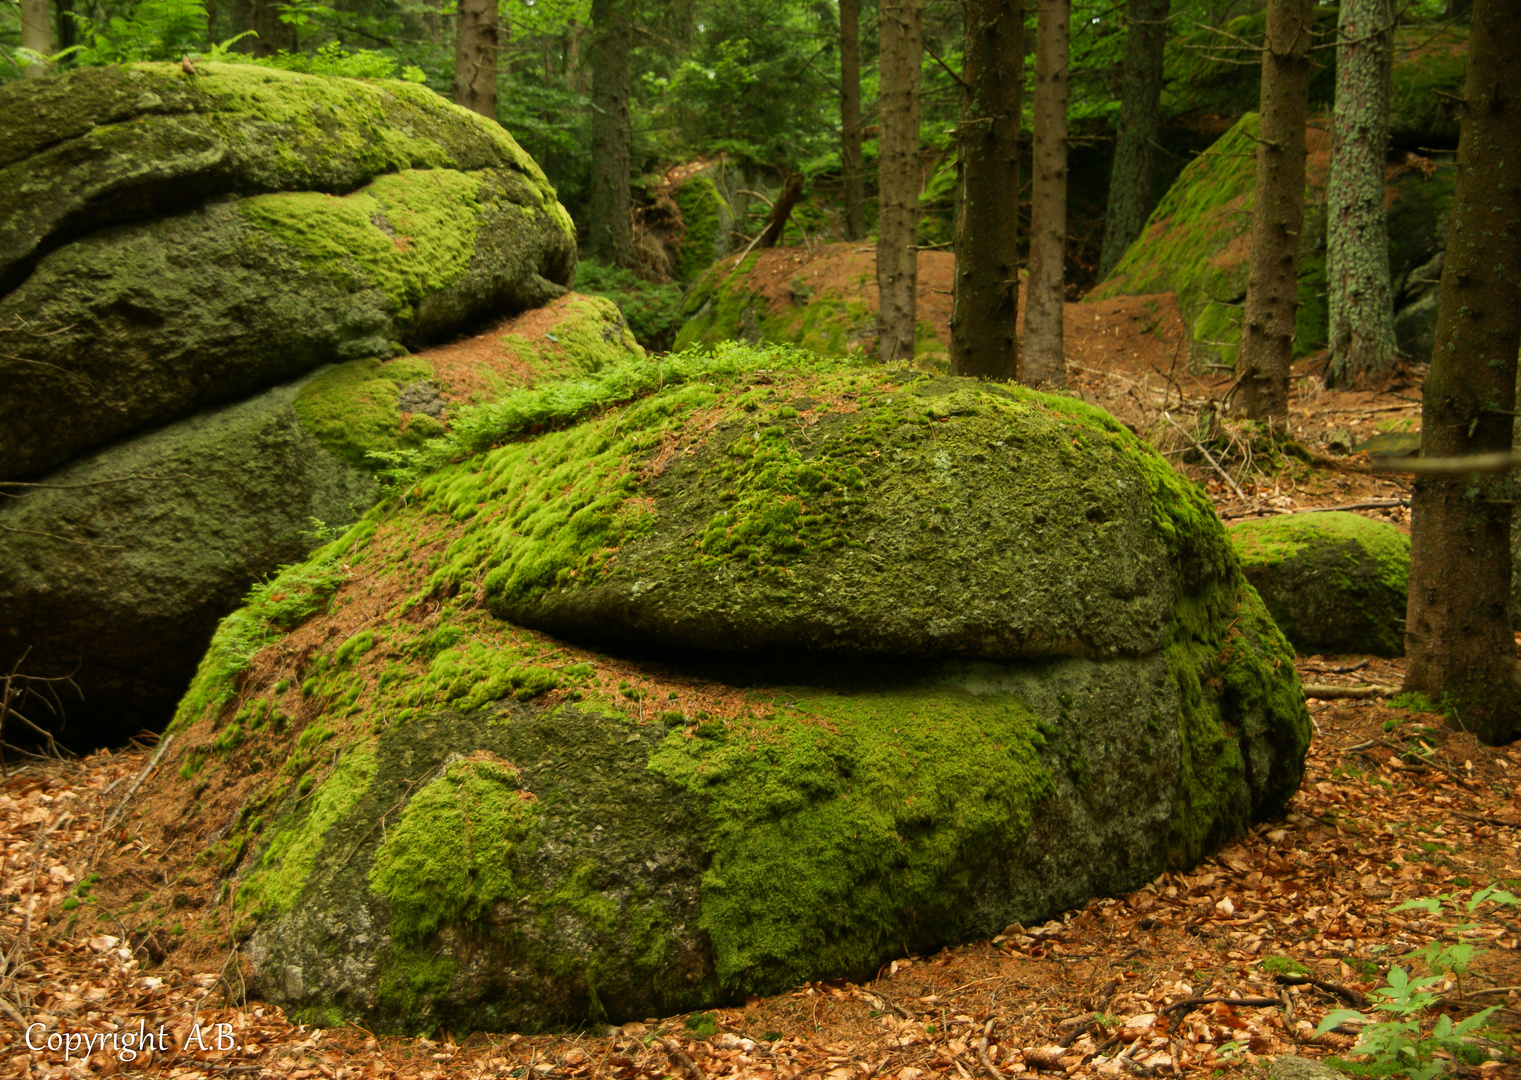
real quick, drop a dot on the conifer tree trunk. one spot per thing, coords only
(1272, 288)
(475, 45)
(1457, 632)
(986, 289)
(1360, 298)
(902, 44)
(610, 222)
(37, 34)
(850, 120)
(1044, 362)
(1135, 134)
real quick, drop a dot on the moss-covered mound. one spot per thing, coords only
(823, 298)
(434, 816)
(197, 239)
(1197, 242)
(118, 570)
(1334, 582)
(705, 218)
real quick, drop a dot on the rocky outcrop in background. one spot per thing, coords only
(183, 259)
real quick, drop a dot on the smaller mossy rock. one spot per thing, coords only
(137, 325)
(1334, 582)
(824, 302)
(101, 146)
(1299, 1068)
(569, 838)
(120, 566)
(706, 218)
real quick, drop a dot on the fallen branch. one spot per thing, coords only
(1249, 1002)
(1327, 692)
(1469, 465)
(1366, 504)
(1346, 993)
(679, 1056)
(982, 1051)
(121, 807)
(1207, 456)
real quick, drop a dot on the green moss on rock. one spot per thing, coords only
(630, 862)
(1335, 582)
(727, 303)
(102, 146)
(706, 216)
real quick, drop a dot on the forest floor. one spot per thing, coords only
(1207, 973)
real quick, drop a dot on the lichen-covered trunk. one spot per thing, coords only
(1359, 300)
(37, 34)
(475, 44)
(852, 178)
(986, 288)
(1135, 134)
(902, 43)
(1267, 332)
(1458, 635)
(1044, 363)
(610, 224)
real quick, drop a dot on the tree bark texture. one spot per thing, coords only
(263, 18)
(1360, 301)
(902, 50)
(781, 210)
(986, 288)
(1458, 635)
(1136, 132)
(1044, 363)
(1272, 287)
(609, 215)
(37, 34)
(475, 45)
(850, 120)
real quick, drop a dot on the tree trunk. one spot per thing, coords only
(609, 214)
(1044, 362)
(475, 44)
(263, 18)
(902, 40)
(1360, 298)
(986, 288)
(1458, 635)
(1136, 134)
(781, 210)
(850, 119)
(37, 35)
(1272, 287)
(67, 28)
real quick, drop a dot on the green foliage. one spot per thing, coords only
(1404, 1045)
(653, 311)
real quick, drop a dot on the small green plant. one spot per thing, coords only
(1402, 1046)
(1284, 965)
(703, 1025)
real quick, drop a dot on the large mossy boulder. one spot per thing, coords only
(170, 241)
(434, 814)
(822, 299)
(1197, 244)
(118, 568)
(1334, 582)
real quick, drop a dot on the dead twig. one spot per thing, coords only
(679, 1056)
(1346, 993)
(982, 1050)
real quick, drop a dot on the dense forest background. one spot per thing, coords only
(756, 82)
